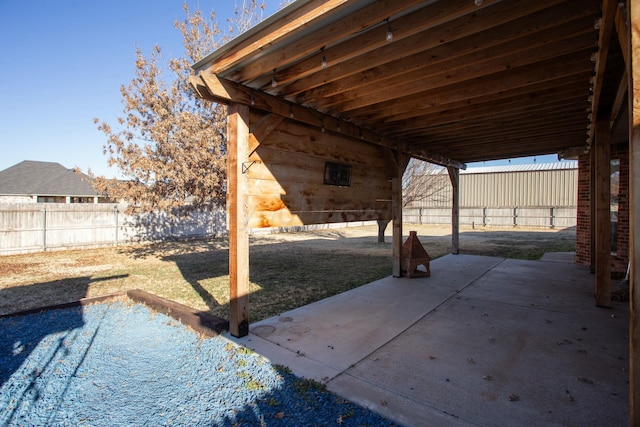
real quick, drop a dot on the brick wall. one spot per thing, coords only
(583, 213)
(620, 260)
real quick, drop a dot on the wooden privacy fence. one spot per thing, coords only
(28, 228)
(537, 217)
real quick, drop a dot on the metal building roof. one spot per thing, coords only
(533, 167)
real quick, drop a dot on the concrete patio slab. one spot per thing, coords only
(483, 341)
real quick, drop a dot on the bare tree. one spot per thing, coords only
(169, 145)
(421, 182)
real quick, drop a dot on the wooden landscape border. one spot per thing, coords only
(201, 322)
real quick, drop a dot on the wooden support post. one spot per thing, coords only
(237, 189)
(454, 176)
(396, 216)
(633, 73)
(602, 199)
(401, 162)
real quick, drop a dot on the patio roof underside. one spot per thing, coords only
(452, 81)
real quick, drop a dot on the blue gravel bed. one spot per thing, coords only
(120, 364)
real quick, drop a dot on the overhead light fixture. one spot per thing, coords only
(323, 61)
(389, 32)
(597, 24)
(478, 2)
(274, 82)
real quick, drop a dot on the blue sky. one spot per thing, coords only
(64, 62)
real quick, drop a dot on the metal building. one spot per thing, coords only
(534, 195)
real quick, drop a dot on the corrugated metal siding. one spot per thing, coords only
(539, 188)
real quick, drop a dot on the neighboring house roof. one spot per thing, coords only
(44, 178)
(534, 167)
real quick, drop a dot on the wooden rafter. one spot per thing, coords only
(413, 33)
(221, 90)
(606, 24)
(447, 56)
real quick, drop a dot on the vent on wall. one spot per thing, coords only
(337, 174)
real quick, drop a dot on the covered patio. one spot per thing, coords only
(483, 341)
(328, 101)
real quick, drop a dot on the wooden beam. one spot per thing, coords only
(217, 89)
(417, 107)
(481, 63)
(413, 33)
(262, 129)
(607, 23)
(454, 176)
(299, 51)
(396, 213)
(237, 199)
(508, 79)
(270, 32)
(525, 99)
(633, 71)
(436, 55)
(602, 200)
(436, 159)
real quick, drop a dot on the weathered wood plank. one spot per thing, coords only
(293, 137)
(217, 89)
(283, 166)
(379, 189)
(238, 147)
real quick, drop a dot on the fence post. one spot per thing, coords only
(484, 216)
(115, 213)
(515, 217)
(44, 229)
(553, 217)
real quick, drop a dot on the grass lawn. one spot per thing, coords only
(287, 270)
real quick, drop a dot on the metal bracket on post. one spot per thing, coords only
(247, 165)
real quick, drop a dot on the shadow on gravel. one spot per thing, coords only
(16, 342)
(121, 364)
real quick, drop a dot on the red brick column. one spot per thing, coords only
(583, 220)
(620, 261)
(583, 228)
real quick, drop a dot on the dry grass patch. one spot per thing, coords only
(287, 270)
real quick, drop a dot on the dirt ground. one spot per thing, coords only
(287, 269)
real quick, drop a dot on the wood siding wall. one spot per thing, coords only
(286, 179)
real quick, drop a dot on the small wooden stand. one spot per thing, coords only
(413, 255)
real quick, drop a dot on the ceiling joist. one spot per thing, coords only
(454, 76)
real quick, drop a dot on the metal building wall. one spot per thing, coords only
(552, 185)
(520, 189)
